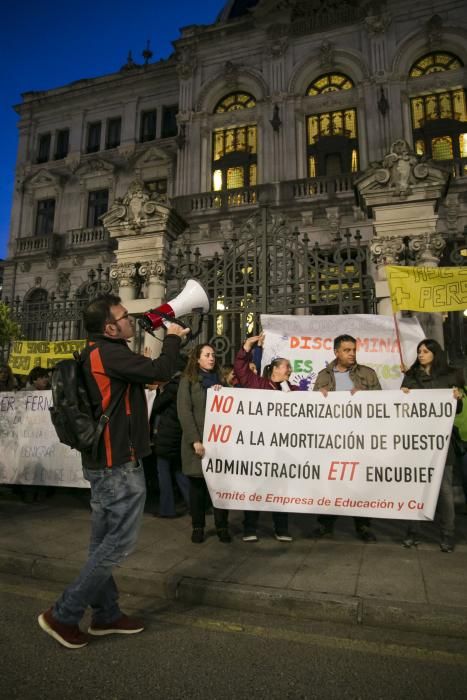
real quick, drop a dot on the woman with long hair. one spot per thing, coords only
(275, 378)
(431, 371)
(201, 373)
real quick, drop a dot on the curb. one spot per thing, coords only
(439, 620)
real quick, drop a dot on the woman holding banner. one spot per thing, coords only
(431, 371)
(276, 378)
(202, 372)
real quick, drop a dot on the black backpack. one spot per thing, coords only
(72, 413)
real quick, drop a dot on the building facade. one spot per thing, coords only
(282, 155)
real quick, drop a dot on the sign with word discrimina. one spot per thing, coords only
(374, 453)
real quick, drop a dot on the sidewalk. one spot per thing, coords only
(340, 580)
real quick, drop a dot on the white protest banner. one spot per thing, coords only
(374, 453)
(307, 341)
(31, 452)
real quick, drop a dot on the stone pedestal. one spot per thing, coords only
(144, 227)
(402, 195)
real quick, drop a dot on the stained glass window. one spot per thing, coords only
(235, 101)
(434, 63)
(441, 148)
(330, 82)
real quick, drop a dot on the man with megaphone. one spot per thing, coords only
(115, 378)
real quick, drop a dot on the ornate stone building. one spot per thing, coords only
(282, 155)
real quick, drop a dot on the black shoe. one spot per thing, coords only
(223, 534)
(323, 532)
(447, 544)
(410, 541)
(197, 535)
(365, 534)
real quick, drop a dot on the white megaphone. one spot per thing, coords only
(192, 299)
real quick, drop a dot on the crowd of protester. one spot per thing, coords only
(174, 469)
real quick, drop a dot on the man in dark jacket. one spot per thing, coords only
(115, 378)
(345, 374)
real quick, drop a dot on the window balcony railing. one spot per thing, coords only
(86, 237)
(37, 245)
(280, 194)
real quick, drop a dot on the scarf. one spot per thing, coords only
(209, 379)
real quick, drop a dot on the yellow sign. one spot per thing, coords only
(26, 354)
(427, 288)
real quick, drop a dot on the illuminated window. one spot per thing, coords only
(420, 147)
(330, 82)
(332, 146)
(441, 148)
(434, 63)
(234, 150)
(438, 118)
(463, 145)
(235, 101)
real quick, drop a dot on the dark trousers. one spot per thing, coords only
(328, 521)
(250, 521)
(200, 501)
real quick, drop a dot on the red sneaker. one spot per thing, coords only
(124, 625)
(69, 636)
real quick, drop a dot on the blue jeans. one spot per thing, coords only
(167, 498)
(117, 502)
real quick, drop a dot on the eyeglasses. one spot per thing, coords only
(122, 318)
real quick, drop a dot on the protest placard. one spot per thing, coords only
(378, 454)
(428, 289)
(307, 341)
(31, 452)
(26, 354)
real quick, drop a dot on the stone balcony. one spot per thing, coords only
(34, 246)
(56, 244)
(278, 194)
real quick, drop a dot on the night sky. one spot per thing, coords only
(44, 45)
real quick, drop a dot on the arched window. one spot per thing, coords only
(434, 63)
(234, 150)
(330, 82)
(439, 119)
(332, 145)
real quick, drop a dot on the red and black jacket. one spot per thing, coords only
(115, 377)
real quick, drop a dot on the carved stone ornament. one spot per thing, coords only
(78, 260)
(434, 31)
(125, 274)
(401, 172)
(38, 281)
(326, 54)
(427, 248)
(386, 250)
(377, 24)
(25, 266)
(278, 47)
(134, 209)
(230, 74)
(151, 269)
(51, 262)
(63, 283)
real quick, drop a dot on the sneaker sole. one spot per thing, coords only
(104, 633)
(250, 538)
(279, 538)
(46, 627)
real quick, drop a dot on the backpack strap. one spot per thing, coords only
(104, 417)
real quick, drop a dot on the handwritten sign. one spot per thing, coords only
(26, 354)
(427, 289)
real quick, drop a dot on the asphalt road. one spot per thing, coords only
(217, 654)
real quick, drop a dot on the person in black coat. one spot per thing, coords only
(167, 435)
(431, 371)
